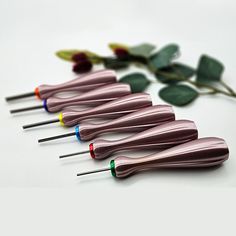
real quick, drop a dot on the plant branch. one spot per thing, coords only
(197, 84)
(227, 87)
(177, 77)
(207, 93)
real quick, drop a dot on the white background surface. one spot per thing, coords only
(40, 193)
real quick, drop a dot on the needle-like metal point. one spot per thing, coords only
(23, 95)
(41, 123)
(93, 171)
(26, 109)
(74, 154)
(56, 137)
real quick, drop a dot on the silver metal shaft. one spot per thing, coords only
(74, 154)
(26, 109)
(40, 123)
(19, 96)
(94, 171)
(56, 137)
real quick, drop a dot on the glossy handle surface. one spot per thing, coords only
(83, 83)
(95, 97)
(204, 152)
(113, 109)
(137, 121)
(159, 137)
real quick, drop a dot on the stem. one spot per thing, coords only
(216, 90)
(227, 87)
(212, 89)
(207, 93)
(197, 84)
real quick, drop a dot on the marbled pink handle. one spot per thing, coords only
(159, 137)
(204, 152)
(95, 97)
(84, 83)
(113, 109)
(134, 122)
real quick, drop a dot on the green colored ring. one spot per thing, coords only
(113, 169)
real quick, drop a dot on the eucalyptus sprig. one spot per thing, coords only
(183, 82)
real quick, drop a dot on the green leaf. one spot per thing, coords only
(137, 81)
(178, 95)
(114, 63)
(68, 54)
(114, 46)
(209, 70)
(94, 58)
(141, 50)
(182, 71)
(163, 57)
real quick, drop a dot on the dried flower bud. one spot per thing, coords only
(121, 53)
(79, 57)
(82, 66)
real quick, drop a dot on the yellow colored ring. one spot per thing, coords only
(61, 119)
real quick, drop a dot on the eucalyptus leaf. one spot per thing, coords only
(178, 95)
(114, 46)
(94, 58)
(141, 50)
(163, 57)
(114, 63)
(179, 70)
(68, 54)
(209, 70)
(137, 81)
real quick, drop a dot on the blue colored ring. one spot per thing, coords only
(77, 133)
(45, 105)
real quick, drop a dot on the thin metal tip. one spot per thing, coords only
(23, 95)
(56, 137)
(40, 123)
(74, 154)
(26, 109)
(94, 171)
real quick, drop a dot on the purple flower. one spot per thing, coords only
(79, 57)
(82, 66)
(121, 53)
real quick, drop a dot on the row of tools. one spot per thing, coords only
(175, 143)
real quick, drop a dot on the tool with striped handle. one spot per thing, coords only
(83, 83)
(200, 153)
(95, 97)
(160, 137)
(134, 122)
(109, 110)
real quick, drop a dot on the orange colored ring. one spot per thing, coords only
(36, 91)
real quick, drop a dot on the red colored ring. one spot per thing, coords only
(36, 91)
(91, 150)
